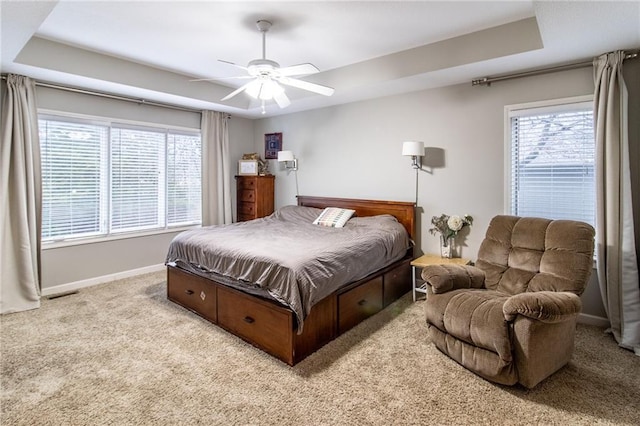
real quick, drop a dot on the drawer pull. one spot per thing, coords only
(249, 320)
(362, 302)
(189, 292)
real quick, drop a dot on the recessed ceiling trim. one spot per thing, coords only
(51, 55)
(139, 101)
(491, 43)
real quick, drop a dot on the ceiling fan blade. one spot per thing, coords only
(235, 92)
(233, 65)
(305, 85)
(301, 69)
(281, 99)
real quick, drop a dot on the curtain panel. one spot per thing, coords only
(617, 265)
(20, 197)
(216, 168)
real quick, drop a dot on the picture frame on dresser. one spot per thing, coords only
(248, 168)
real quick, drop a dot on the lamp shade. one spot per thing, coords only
(413, 148)
(285, 156)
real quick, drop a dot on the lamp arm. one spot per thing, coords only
(416, 161)
(291, 164)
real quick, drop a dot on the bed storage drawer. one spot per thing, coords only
(193, 292)
(260, 322)
(359, 303)
(397, 282)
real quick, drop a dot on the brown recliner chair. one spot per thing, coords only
(512, 317)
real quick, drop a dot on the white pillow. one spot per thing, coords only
(334, 217)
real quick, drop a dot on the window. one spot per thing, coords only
(551, 154)
(102, 178)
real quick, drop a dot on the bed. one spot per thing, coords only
(292, 296)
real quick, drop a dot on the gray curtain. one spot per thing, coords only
(615, 239)
(20, 197)
(216, 169)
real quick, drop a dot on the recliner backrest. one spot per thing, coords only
(532, 254)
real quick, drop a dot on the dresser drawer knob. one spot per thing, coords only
(249, 320)
(189, 292)
(362, 302)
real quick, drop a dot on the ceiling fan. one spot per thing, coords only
(267, 78)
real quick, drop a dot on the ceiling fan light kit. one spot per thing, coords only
(268, 78)
(264, 89)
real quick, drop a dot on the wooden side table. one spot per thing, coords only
(431, 259)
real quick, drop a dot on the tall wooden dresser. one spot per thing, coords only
(254, 196)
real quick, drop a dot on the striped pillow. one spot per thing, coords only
(334, 217)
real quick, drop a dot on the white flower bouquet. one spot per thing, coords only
(449, 226)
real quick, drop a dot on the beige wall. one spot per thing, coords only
(354, 150)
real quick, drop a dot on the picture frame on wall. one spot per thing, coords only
(272, 144)
(248, 168)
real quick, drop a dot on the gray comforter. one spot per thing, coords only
(296, 262)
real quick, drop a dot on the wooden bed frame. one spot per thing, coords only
(272, 326)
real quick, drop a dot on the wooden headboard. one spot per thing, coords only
(401, 210)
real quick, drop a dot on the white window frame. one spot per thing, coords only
(551, 105)
(106, 121)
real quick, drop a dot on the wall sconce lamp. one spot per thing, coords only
(290, 162)
(414, 149)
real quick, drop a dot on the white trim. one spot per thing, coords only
(77, 285)
(593, 320)
(551, 106)
(507, 161)
(65, 288)
(110, 121)
(106, 233)
(48, 245)
(519, 109)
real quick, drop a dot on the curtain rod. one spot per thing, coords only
(112, 96)
(486, 81)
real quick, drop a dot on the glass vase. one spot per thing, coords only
(446, 247)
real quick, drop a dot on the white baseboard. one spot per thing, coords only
(76, 285)
(593, 320)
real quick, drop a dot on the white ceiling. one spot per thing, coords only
(151, 50)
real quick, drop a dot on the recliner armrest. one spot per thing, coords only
(545, 306)
(443, 278)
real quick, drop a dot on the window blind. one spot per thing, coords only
(74, 179)
(137, 176)
(184, 191)
(553, 164)
(106, 178)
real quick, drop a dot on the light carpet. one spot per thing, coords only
(121, 354)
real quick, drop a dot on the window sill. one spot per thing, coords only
(115, 237)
